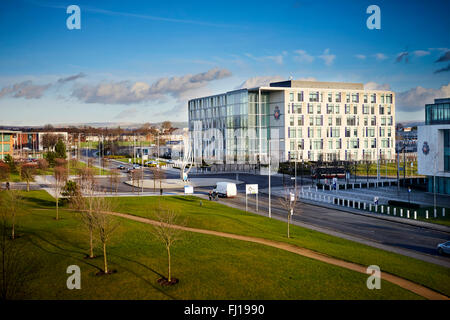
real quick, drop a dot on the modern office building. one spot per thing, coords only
(303, 120)
(433, 145)
(6, 143)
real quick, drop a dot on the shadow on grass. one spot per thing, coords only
(141, 277)
(40, 202)
(38, 245)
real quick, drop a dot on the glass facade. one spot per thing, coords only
(446, 150)
(438, 113)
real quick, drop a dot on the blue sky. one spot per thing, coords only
(140, 61)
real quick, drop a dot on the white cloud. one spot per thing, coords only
(380, 56)
(415, 99)
(376, 86)
(25, 89)
(303, 56)
(126, 92)
(421, 53)
(327, 57)
(279, 59)
(360, 56)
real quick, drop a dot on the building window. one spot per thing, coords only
(330, 121)
(381, 109)
(300, 120)
(355, 97)
(314, 96)
(318, 108)
(373, 98)
(336, 109)
(300, 96)
(338, 97)
(291, 96)
(329, 108)
(347, 109)
(365, 109)
(365, 98)
(338, 121)
(330, 97)
(389, 98)
(310, 108)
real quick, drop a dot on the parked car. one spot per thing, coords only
(136, 166)
(444, 248)
(121, 167)
(225, 189)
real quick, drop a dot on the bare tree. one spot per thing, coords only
(158, 175)
(43, 165)
(135, 177)
(16, 268)
(60, 174)
(4, 173)
(105, 224)
(49, 141)
(367, 164)
(288, 202)
(27, 173)
(167, 230)
(114, 179)
(12, 204)
(83, 203)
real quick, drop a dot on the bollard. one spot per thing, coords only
(376, 208)
(382, 209)
(346, 186)
(370, 207)
(348, 203)
(389, 210)
(407, 214)
(364, 206)
(415, 215)
(323, 187)
(354, 204)
(316, 188)
(435, 213)
(395, 211)
(443, 212)
(426, 214)
(360, 185)
(401, 212)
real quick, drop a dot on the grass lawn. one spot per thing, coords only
(391, 169)
(208, 267)
(215, 216)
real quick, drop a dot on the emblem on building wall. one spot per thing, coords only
(276, 114)
(425, 148)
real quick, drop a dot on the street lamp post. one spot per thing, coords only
(270, 207)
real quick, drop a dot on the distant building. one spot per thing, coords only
(307, 120)
(6, 143)
(434, 146)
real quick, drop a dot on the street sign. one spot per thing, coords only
(188, 190)
(251, 189)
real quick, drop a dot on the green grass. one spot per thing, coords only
(215, 216)
(208, 267)
(391, 169)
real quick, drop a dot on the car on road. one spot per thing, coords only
(136, 166)
(444, 248)
(121, 167)
(225, 189)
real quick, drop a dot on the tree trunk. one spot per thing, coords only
(104, 257)
(13, 231)
(28, 185)
(91, 247)
(288, 220)
(168, 254)
(57, 209)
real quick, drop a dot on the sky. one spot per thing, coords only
(141, 61)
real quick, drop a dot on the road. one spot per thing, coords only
(405, 238)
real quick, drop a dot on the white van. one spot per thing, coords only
(225, 189)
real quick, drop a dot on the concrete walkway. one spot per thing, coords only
(401, 282)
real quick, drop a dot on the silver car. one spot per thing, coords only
(444, 248)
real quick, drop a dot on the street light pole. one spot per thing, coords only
(270, 207)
